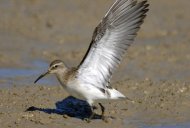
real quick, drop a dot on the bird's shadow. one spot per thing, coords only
(69, 106)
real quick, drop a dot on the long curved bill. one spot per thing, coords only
(41, 76)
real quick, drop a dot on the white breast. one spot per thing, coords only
(84, 91)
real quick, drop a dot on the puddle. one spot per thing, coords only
(22, 77)
(13, 73)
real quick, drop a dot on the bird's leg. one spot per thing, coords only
(92, 114)
(103, 111)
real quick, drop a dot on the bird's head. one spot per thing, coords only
(55, 67)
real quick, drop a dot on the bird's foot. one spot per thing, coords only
(105, 119)
(88, 120)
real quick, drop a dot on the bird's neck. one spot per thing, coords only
(66, 75)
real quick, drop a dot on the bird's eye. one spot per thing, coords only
(54, 67)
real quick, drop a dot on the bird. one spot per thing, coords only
(90, 80)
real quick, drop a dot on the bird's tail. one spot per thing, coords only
(114, 94)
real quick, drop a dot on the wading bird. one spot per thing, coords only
(90, 81)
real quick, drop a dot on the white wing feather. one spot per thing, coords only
(110, 40)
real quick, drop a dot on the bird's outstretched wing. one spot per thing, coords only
(111, 38)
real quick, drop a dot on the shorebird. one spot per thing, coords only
(90, 81)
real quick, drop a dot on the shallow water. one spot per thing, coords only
(23, 77)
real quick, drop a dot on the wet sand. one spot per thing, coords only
(166, 103)
(155, 71)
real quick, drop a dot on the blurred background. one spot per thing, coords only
(35, 32)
